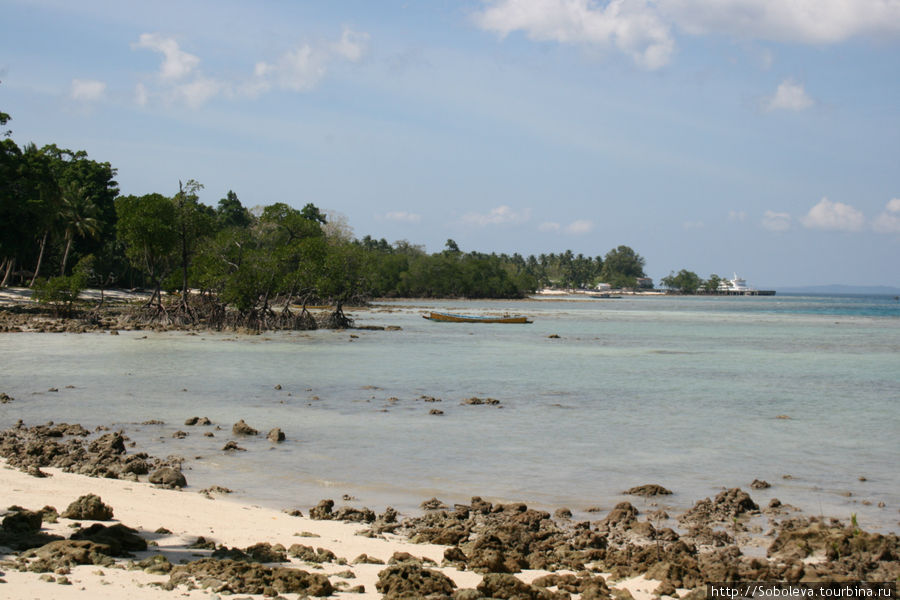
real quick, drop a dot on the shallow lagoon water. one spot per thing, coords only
(685, 392)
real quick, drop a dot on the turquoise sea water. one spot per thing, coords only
(684, 392)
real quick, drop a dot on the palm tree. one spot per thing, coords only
(77, 217)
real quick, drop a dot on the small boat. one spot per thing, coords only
(451, 318)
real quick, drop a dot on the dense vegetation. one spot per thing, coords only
(62, 216)
(688, 282)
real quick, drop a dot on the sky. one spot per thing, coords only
(719, 136)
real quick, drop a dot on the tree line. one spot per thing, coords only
(64, 225)
(688, 282)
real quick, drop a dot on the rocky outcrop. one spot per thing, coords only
(65, 447)
(241, 428)
(650, 489)
(324, 511)
(89, 507)
(21, 529)
(168, 477)
(120, 539)
(507, 587)
(63, 554)
(407, 580)
(726, 506)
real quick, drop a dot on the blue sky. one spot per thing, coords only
(756, 136)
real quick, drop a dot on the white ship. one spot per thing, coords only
(735, 285)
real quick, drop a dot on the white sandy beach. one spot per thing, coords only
(189, 515)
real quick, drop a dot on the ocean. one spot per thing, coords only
(693, 393)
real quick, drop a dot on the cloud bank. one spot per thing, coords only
(889, 220)
(833, 216)
(300, 69)
(645, 29)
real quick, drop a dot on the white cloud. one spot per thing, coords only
(790, 95)
(177, 64)
(834, 216)
(549, 226)
(352, 45)
(643, 29)
(87, 90)
(299, 69)
(803, 21)
(502, 215)
(889, 220)
(776, 221)
(632, 26)
(403, 216)
(580, 227)
(199, 91)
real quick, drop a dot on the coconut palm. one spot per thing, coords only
(77, 217)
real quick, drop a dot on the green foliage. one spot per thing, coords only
(712, 284)
(311, 212)
(231, 213)
(148, 231)
(61, 292)
(685, 281)
(622, 267)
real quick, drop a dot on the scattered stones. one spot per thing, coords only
(155, 565)
(726, 506)
(215, 489)
(6, 398)
(760, 484)
(241, 428)
(191, 421)
(238, 577)
(66, 554)
(365, 559)
(435, 411)
(502, 585)
(650, 489)
(275, 436)
(168, 477)
(310, 555)
(474, 401)
(231, 446)
(180, 434)
(62, 446)
(89, 507)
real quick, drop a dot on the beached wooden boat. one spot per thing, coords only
(451, 318)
